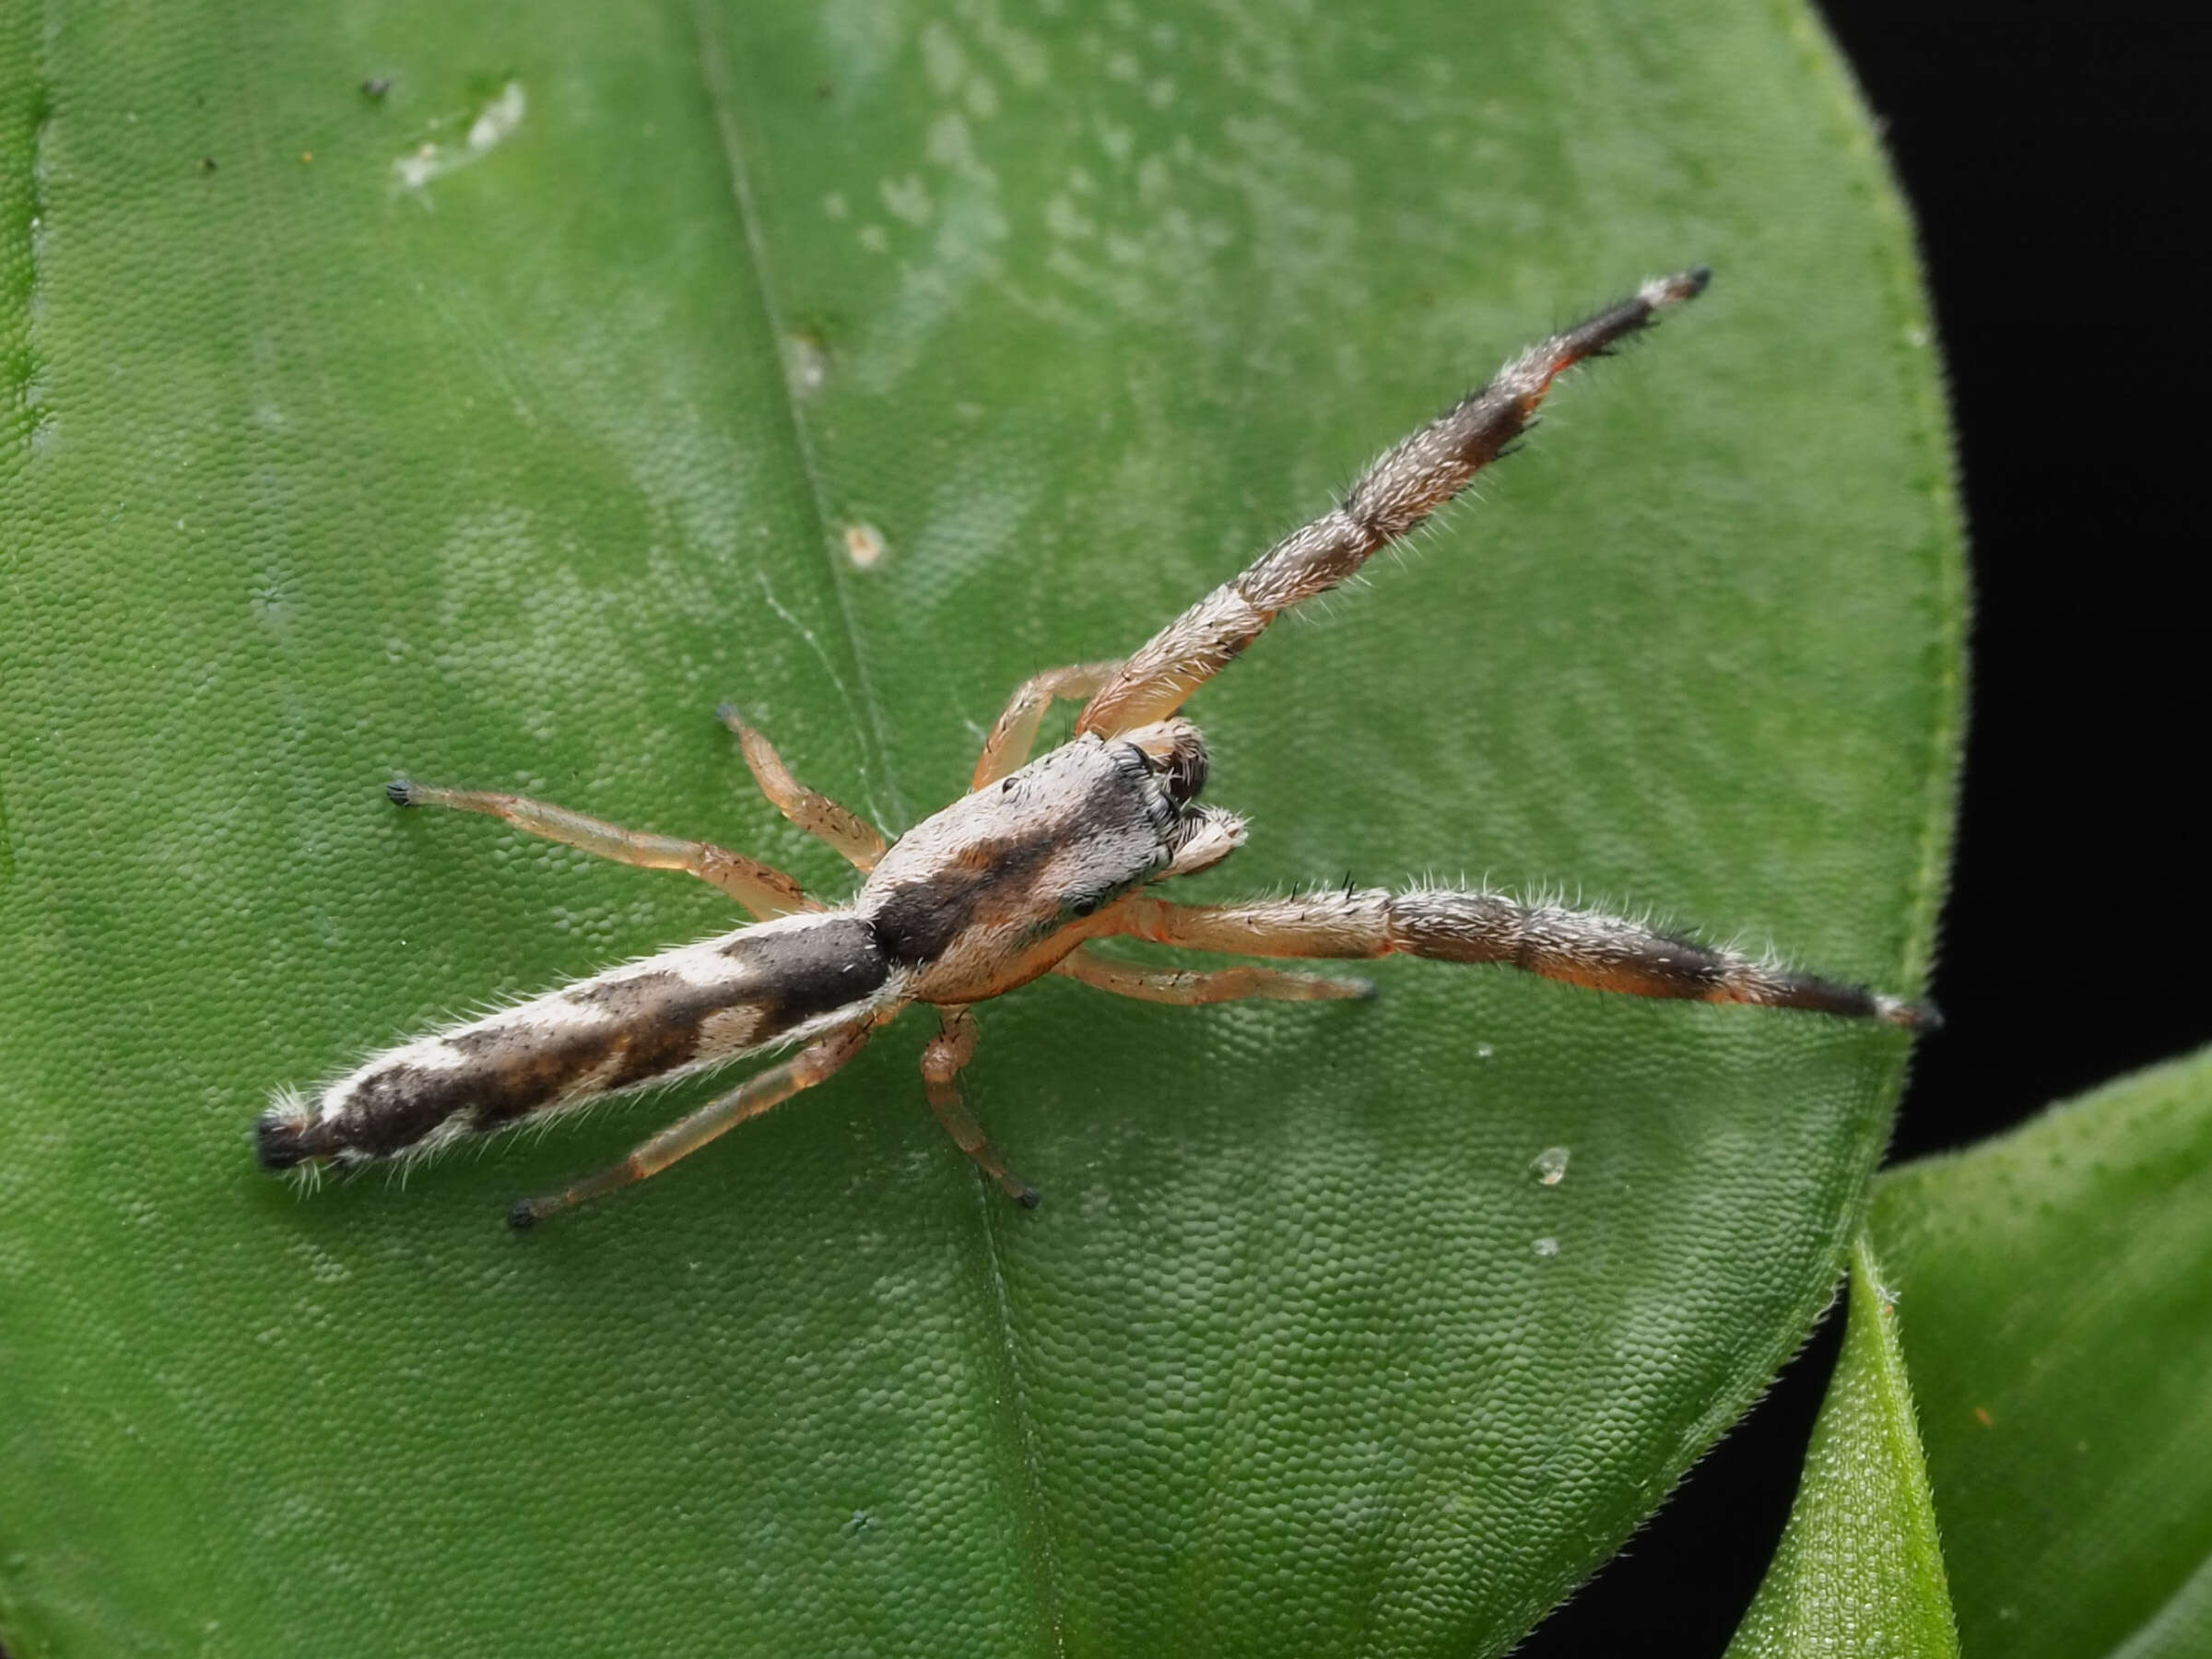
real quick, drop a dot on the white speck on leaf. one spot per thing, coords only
(863, 545)
(494, 125)
(906, 199)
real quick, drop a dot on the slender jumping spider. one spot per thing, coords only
(1012, 881)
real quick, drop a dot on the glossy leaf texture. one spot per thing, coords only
(2055, 1297)
(600, 362)
(1859, 1573)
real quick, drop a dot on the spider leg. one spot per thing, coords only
(857, 840)
(1015, 733)
(810, 1066)
(1187, 988)
(761, 888)
(1581, 947)
(948, 1052)
(1398, 492)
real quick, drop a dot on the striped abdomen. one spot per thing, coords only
(645, 1023)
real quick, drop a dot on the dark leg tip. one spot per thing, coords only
(1699, 278)
(401, 792)
(1029, 1198)
(1930, 1018)
(521, 1217)
(1367, 990)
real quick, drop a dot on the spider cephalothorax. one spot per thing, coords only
(990, 892)
(1013, 880)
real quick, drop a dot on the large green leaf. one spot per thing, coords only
(508, 473)
(2056, 1296)
(1858, 1573)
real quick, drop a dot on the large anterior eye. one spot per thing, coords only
(1089, 903)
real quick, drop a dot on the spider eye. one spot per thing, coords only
(1092, 902)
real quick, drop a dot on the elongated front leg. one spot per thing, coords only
(1187, 987)
(1015, 734)
(1582, 948)
(855, 840)
(761, 888)
(1396, 494)
(948, 1051)
(750, 1098)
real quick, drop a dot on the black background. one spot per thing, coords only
(2055, 156)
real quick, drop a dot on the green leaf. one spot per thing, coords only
(2055, 1294)
(1858, 1572)
(503, 462)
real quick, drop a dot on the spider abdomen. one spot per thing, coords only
(646, 1022)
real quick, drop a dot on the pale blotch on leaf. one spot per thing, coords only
(864, 544)
(495, 124)
(807, 359)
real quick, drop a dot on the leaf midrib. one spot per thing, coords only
(1033, 1529)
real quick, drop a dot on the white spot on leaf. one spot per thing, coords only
(494, 125)
(864, 544)
(906, 199)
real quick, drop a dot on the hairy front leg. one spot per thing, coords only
(1581, 947)
(1015, 734)
(1186, 987)
(1389, 501)
(761, 888)
(810, 1066)
(857, 840)
(942, 1059)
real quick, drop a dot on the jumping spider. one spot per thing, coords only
(1012, 881)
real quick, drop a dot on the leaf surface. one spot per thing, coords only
(1859, 1573)
(493, 429)
(2055, 1305)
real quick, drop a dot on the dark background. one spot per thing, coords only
(2055, 156)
